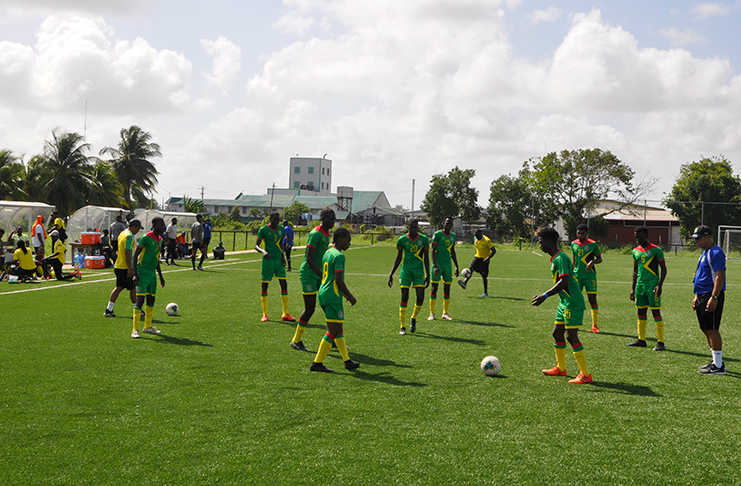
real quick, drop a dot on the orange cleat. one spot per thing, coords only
(288, 318)
(555, 371)
(582, 379)
(595, 329)
(264, 318)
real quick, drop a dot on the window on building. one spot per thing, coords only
(244, 209)
(297, 170)
(323, 170)
(327, 171)
(311, 170)
(296, 184)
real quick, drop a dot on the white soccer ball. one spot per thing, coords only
(172, 309)
(491, 366)
(466, 273)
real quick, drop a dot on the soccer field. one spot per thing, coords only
(221, 398)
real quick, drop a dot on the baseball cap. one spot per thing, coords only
(135, 222)
(701, 231)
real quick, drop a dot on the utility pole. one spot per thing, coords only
(202, 189)
(412, 195)
(272, 193)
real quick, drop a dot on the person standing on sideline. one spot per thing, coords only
(123, 268)
(288, 242)
(57, 223)
(38, 233)
(443, 252)
(710, 295)
(196, 240)
(56, 259)
(412, 253)
(310, 274)
(207, 227)
(647, 283)
(146, 262)
(330, 298)
(570, 311)
(273, 261)
(172, 240)
(480, 262)
(115, 229)
(586, 255)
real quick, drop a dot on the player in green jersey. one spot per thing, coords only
(586, 255)
(570, 312)
(145, 262)
(310, 273)
(443, 252)
(648, 259)
(273, 264)
(413, 255)
(330, 298)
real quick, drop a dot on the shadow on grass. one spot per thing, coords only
(384, 377)
(165, 339)
(478, 297)
(476, 342)
(627, 388)
(371, 361)
(477, 323)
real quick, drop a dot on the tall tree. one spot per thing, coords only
(11, 176)
(108, 191)
(130, 159)
(711, 180)
(451, 194)
(66, 171)
(293, 212)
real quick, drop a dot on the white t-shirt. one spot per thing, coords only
(172, 231)
(38, 236)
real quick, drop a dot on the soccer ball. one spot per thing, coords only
(466, 273)
(491, 366)
(172, 309)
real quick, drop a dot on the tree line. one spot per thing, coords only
(67, 177)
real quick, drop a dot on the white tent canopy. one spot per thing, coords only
(91, 218)
(185, 220)
(22, 213)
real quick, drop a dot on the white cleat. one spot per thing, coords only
(447, 317)
(431, 318)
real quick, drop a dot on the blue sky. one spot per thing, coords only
(391, 91)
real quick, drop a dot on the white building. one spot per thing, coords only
(310, 174)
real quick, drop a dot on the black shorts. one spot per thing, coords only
(709, 320)
(480, 265)
(206, 242)
(122, 279)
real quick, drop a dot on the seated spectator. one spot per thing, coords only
(23, 259)
(183, 246)
(105, 248)
(219, 251)
(56, 260)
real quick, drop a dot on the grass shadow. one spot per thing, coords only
(384, 377)
(627, 388)
(371, 361)
(476, 342)
(488, 324)
(165, 339)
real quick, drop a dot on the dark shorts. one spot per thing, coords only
(206, 242)
(122, 279)
(709, 320)
(480, 265)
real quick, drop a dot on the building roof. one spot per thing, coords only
(632, 212)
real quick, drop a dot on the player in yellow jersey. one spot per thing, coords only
(480, 262)
(124, 265)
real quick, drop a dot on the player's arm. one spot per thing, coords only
(399, 254)
(662, 267)
(127, 256)
(493, 252)
(260, 250)
(635, 280)
(132, 264)
(310, 260)
(720, 278)
(561, 284)
(433, 250)
(596, 260)
(342, 287)
(282, 248)
(455, 259)
(426, 253)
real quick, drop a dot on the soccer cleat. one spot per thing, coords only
(200, 268)
(288, 318)
(484, 295)
(264, 318)
(299, 346)
(351, 365)
(135, 334)
(580, 378)
(555, 371)
(707, 366)
(462, 284)
(659, 346)
(151, 330)
(640, 343)
(319, 367)
(431, 318)
(447, 317)
(713, 370)
(108, 313)
(595, 328)
(412, 325)
(403, 331)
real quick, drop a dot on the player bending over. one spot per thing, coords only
(330, 298)
(443, 252)
(646, 291)
(273, 263)
(146, 262)
(412, 254)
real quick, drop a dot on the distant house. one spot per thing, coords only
(663, 226)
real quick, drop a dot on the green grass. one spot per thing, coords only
(220, 398)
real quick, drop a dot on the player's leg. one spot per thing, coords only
(193, 254)
(573, 323)
(336, 329)
(559, 346)
(288, 258)
(446, 300)
(420, 290)
(710, 326)
(303, 321)
(281, 272)
(659, 321)
(204, 254)
(485, 276)
(138, 305)
(433, 297)
(403, 309)
(324, 347)
(642, 309)
(591, 286)
(149, 307)
(266, 275)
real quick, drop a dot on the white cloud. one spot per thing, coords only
(706, 10)
(550, 15)
(682, 38)
(46, 7)
(227, 62)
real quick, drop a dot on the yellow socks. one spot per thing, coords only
(642, 328)
(581, 358)
(659, 328)
(446, 304)
(339, 341)
(560, 355)
(264, 302)
(416, 311)
(324, 348)
(137, 318)
(403, 314)
(595, 315)
(148, 315)
(284, 301)
(433, 302)
(299, 334)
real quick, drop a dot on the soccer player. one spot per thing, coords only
(570, 312)
(480, 262)
(586, 255)
(330, 298)
(146, 262)
(710, 295)
(310, 273)
(196, 237)
(273, 261)
(288, 242)
(412, 252)
(647, 282)
(123, 266)
(443, 251)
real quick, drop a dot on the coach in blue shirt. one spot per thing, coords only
(288, 242)
(710, 286)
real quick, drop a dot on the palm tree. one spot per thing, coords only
(66, 171)
(109, 191)
(130, 161)
(11, 176)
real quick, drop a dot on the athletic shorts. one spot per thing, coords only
(571, 319)
(122, 279)
(333, 312)
(589, 283)
(310, 283)
(709, 320)
(147, 284)
(445, 272)
(271, 267)
(480, 265)
(206, 242)
(411, 279)
(648, 300)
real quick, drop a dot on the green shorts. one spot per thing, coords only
(649, 299)
(147, 284)
(445, 272)
(270, 267)
(589, 283)
(310, 283)
(333, 312)
(411, 279)
(571, 319)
